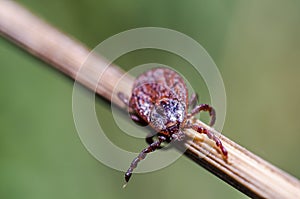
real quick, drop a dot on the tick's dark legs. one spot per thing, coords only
(211, 136)
(152, 147)
(204, 107)
(137, 119)
(149, 139)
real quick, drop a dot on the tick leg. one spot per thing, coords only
(123, 98)
(138, 120)
(194, 100)
(149, 139)
(152, 147)
(211, 136)
(204, 107)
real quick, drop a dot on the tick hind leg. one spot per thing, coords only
(204, 107)
(211, 136)
(152, 147)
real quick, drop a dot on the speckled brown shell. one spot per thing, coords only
(153, 85)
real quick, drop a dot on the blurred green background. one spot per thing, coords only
(255, 44)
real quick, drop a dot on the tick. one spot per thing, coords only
(160, 99)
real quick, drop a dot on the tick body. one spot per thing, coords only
(160, 99)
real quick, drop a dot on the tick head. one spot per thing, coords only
(167, 113)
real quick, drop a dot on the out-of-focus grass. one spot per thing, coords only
(255, 45)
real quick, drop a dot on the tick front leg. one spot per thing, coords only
(138, 120)
(204, 107)
(152, 147)
(150, 139)
(211, 136)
